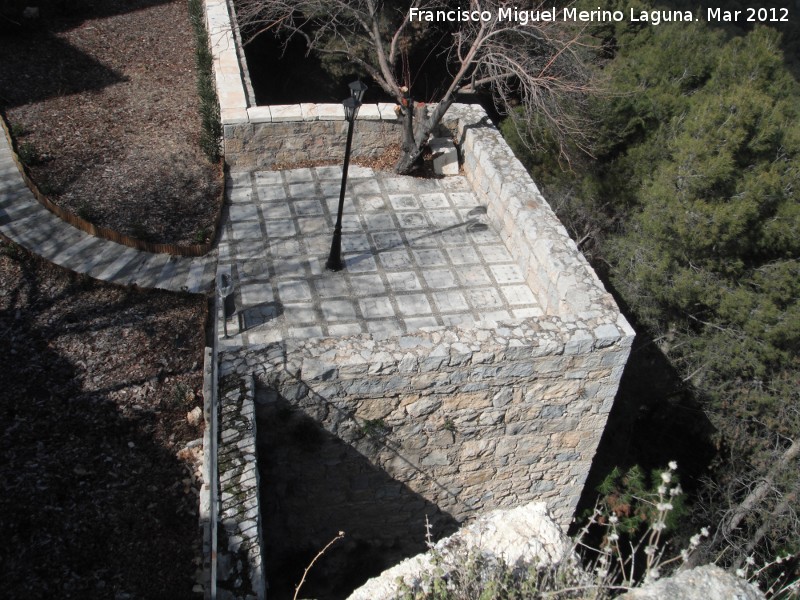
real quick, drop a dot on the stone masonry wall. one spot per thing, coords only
(261, 145)
(262, 136)
(239, 563)
(470, 419)
(556, 270)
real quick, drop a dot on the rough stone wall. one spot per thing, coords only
(470, 419)
(556, 270)
(239, 563)
(261, 145)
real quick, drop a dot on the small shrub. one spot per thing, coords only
(211, 133)
(200, 236)
(374, 428)
(28, 154)
(18, 130)
(180, 396)
(84, 210)
(46, 188)
(139, 231)
(11, 251)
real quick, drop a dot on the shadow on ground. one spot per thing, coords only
(93, 504)
(314, 485)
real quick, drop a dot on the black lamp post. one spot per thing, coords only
(351, 106)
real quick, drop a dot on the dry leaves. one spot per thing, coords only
(100, 466)
(105, 96)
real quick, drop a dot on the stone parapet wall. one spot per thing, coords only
(228, 74)
(259, 137)
(470, 419)
(556, 270)
(239, 559)
(262, 145)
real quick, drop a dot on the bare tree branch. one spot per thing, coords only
(534, 65)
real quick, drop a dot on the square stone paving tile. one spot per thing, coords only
(244, 212)
(301, 190)
(396, 259)
(239, 194)
(418, 253)
(413, 304)
(404, 202)
(265, 178)
(271, 192)
(403, 281)
(331, 288)
(298, 175)
(246, 230)
(376, 308)
(277, 228)
(432, 201)
(344, 329)
(276, 209)
(338, 310)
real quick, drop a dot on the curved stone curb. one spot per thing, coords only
(26, 222)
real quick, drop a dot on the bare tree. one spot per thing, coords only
(533, 64)
(752, 510)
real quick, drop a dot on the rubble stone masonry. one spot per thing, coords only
(469, 419)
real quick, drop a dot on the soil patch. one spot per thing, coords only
(100, 481)
(102, 101)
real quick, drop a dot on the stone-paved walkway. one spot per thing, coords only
(31, 225)
(418, 253)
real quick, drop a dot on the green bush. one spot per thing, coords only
(28, 154)
(211, 133)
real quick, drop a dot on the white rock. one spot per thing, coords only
(194, 416)
(708, 582)
(517, 536)
(445, 156)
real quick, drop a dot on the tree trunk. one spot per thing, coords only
(418, 124)
(409, 150)
(761, 490)
(757, 495)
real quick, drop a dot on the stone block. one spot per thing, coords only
(369, 112)
(423, 407)
(435, 458)
(233, 116)
(388, 111)
(445, 156)
(579, 343)
(309, 111)
(285, 112)
(330, 112)
(259, 114)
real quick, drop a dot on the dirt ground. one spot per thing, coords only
(99, 457)
(99, 491)
(102, 103)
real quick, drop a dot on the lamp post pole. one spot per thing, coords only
(351, 106)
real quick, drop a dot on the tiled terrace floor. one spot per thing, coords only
(419, 253)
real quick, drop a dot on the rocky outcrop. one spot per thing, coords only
(708, 582)
(527, 535)
(520, 536)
